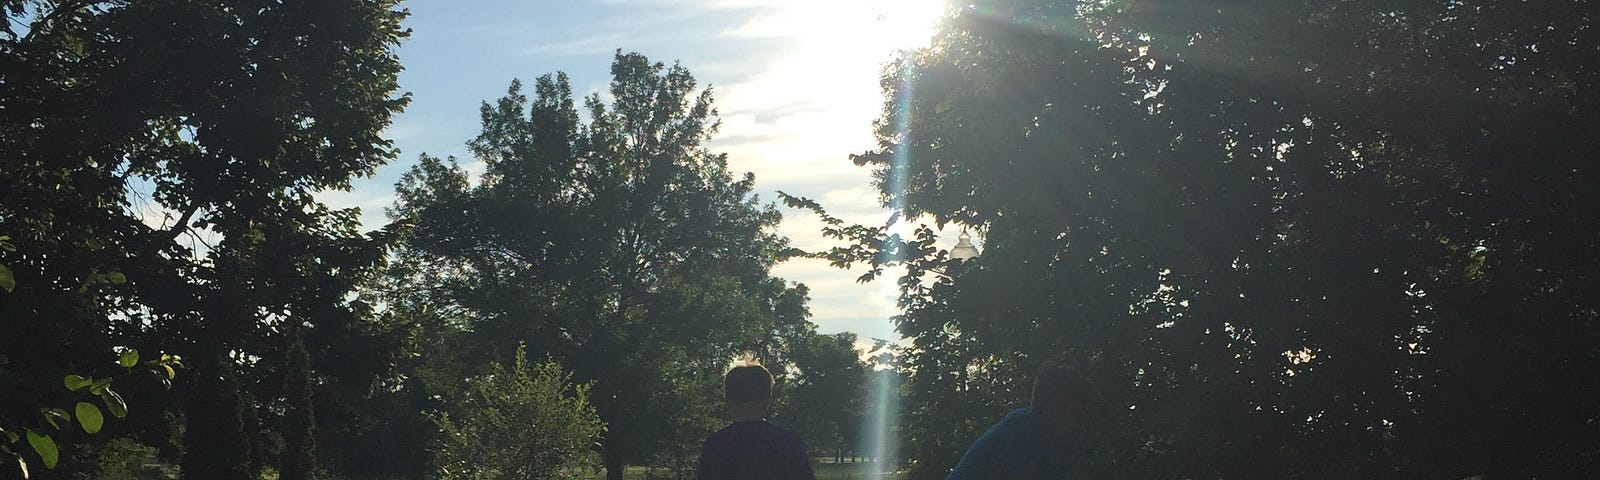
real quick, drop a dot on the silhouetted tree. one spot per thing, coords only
(619, 246)
(1288, 239)
(299, 458)
(824, 402)
(218, 446)
(161, 164)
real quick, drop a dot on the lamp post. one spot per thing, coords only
(964, 250)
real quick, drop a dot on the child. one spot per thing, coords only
(751, 448)
(1039, 442)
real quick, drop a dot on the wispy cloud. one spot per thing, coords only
(585, 45)
(838, 303)
(797, 83)
(371, 202)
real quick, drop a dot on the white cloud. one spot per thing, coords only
(795, 122)
(797, 83)
(370, 201)
(585, 45)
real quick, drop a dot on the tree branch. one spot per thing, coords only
(52, 16)
(171, 234)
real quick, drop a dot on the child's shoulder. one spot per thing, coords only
(739, 435)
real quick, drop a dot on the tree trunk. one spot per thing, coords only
(615, 464)
(299, 458)
(217, 448)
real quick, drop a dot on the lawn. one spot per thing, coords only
(852, 471)
(824, 471)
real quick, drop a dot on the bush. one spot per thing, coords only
(119, 459)
(522, 422)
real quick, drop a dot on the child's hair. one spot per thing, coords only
(1056, 383)
(747, 383)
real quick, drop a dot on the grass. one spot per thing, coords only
(824, 471)
(852, 471)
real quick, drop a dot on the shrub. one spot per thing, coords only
(522, 422)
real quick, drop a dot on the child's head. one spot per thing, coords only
(1062, 395)
(747, 384)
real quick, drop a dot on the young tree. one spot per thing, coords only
(299, 458)
(521, 421)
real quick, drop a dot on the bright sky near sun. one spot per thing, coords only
(796, 83)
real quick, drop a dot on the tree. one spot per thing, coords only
(159, 187)
(1288, 239)
(619, 246)
(26, 439)
(520, 421)
(299, 458)
(220, 446)
(825, 401)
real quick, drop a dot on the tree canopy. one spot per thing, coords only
(1281, 238)
(1288, 239)
(611, 239)
(162, 160)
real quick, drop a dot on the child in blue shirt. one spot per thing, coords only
(751, 448)
(1039, 442)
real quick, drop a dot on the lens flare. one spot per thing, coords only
(881, 441)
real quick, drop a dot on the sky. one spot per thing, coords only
(796, 83)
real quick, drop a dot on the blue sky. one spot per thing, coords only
(795, 81)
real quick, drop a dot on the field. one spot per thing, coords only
(824, 471)
(852, 471)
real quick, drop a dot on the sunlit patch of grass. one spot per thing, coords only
(824, 471)
(852, 471)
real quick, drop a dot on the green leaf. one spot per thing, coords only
(7, 281)
(115, 278)
(99, 386)
(46, 447)
(90, 418)
(129, 358)
(76, 382)
(55, 416)
(114, 403)
(170, 373)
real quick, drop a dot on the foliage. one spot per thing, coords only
(825, 401)
(88, 416)
(158, 191)
(219, 445)
(299, 458)
(520, 421)
(1287, 239)
(619, 246)
(120, 459)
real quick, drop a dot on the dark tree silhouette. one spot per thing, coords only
(620, 246)
(158, 186)
(1290, 239)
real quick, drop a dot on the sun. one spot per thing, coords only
(812, 104)
(843, 46)
(868, 27)
(904, 24)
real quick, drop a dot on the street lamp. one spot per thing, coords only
(964, 250)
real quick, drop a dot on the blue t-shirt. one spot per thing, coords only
(1016, 447)
(754, 450)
